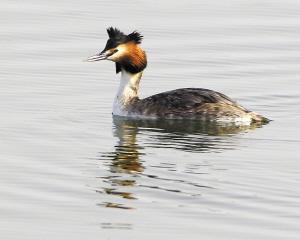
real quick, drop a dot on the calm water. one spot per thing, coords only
(68, 170)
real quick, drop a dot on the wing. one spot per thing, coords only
(186, 101)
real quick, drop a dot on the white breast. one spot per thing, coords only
(128, 90)
(119, 108)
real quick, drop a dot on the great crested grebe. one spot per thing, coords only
(185, 103)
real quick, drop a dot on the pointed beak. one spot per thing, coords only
(97, 57)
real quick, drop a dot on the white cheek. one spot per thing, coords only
(111, 58)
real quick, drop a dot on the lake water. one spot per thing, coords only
(68, 170)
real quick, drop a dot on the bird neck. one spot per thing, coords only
(128, 90)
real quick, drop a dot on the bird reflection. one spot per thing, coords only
(126, 157)
(185, 135)
(135, 136)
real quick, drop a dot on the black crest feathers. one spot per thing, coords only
(135, 36)
(116, 35)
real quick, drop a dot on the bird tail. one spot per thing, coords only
(257, 118)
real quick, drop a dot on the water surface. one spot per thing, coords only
(69, 170)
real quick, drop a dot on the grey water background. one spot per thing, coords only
(68, 170)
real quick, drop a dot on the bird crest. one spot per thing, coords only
(118, 36)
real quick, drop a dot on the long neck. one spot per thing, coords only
(128, 90)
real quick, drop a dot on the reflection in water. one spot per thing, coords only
(125, 158)
(114, 205)
(185, 135)
(107, 225)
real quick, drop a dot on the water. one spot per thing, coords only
(69, 170)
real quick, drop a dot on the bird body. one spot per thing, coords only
(186, 103)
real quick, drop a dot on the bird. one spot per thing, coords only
(185, 103)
